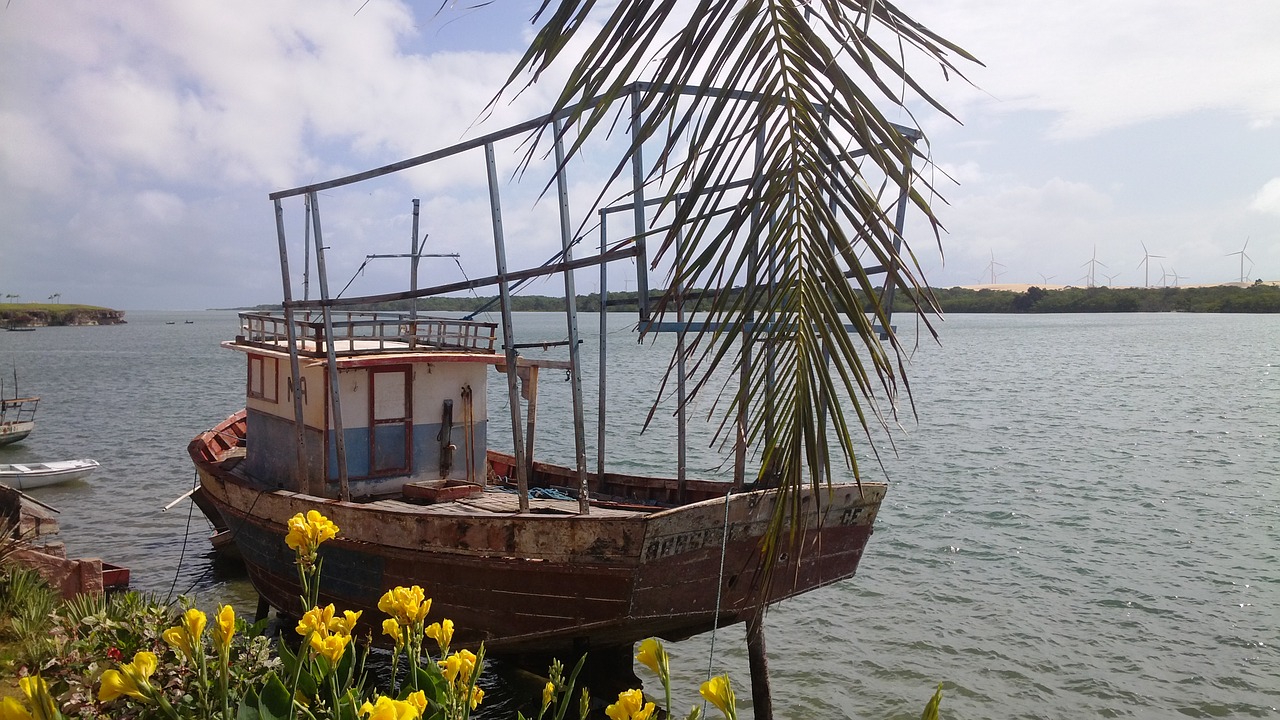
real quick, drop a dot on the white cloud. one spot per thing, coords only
(122, 121)
(31, 157)
(1099, 65)
(1268, 198)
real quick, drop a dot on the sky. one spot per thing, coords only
(139, 142)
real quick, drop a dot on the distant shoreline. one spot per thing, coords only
(1255, 297)
(34, 315)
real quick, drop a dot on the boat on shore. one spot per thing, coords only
(380, 421)
(29, 528)
(27, 476)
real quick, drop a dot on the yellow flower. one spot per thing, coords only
(345, 624)
(418, 700)
(316, 621)
(43, 706)
(630, 706)
(386, 708)
(441, 632)
(115, 684)
(306, 533)
(194, 621)
(548, 694)
(408, 605)
(331, 647)
(654, 656)
(130, 679)
(458, 667)
(391, 628)
(177, 638)
(186, 636)
(11, 709)
(226, 627)
(718, 692)
(477, 695)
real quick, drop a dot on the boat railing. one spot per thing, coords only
(18, 409)
(361, 332)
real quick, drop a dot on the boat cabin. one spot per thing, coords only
(409, 406)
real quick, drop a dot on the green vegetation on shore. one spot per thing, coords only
(42, 314)
(1257, 298)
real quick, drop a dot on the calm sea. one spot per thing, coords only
(1083, 520)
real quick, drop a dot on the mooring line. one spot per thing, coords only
(715, 621)
(186, 537)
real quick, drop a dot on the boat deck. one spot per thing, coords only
(495, 501)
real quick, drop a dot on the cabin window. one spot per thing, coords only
(264, 378)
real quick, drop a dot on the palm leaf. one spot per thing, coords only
(816, 144)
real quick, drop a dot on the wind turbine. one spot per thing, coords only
(1093, 266)
(1047, 278)
(1176, 277)
(1242, 255)
(1146, 265)
(1110, 278)
(992, 267)
(1164, 276)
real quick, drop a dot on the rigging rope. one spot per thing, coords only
(186, 535)
(715, 621)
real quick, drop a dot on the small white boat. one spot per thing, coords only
(25, 476)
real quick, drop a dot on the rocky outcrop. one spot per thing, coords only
(72, 315)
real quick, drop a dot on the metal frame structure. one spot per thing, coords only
(630, 247)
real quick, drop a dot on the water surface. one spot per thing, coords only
(1083, 521)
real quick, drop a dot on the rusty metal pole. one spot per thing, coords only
(531, 414)
(891, 272)
(571, 315)
(301, 482)
(638, 213)
(682, 390)
(604, 349)
(335, 401)
(508, 329)
(415, 255)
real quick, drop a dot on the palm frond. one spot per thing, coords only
(800, 241)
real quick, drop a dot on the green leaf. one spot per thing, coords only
(349, 706)
(248, 709)
(432, 683)
(931, 710)
(275, 701)
(289, 661)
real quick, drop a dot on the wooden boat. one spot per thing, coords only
(17, 418)
(380, 421)
(26, 476)
(29, 528)
(545, 579)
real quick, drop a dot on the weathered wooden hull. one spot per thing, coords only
(546, 580)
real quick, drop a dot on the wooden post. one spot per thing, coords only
(761, 695)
